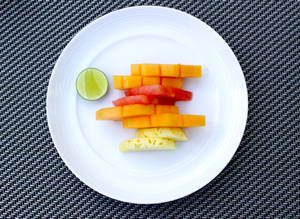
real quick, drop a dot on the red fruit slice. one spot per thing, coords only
(137, 99)
(142, 99)
(160, 91)
(161, 100)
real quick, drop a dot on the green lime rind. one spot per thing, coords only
(91, 84)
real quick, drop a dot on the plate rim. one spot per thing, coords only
(238, 136)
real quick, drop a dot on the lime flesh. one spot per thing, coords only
(91, 84)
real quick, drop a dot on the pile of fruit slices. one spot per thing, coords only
(148, 105)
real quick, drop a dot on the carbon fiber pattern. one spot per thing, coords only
(261, 181)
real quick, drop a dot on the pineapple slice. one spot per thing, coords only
(176, 134)
(147, 144)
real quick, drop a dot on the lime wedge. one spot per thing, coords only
(91, 84)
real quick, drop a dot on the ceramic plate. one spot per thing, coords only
(90, 148)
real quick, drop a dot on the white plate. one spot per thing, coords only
(90, 148)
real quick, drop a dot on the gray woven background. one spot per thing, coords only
(261, 181)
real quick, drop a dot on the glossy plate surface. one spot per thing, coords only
(90, 148)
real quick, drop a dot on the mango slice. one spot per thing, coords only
(120, 112)
(113, 113)
(164, 120)
(170, 70)
(138, 110)
(126, 82)
(166, 70)
(172, 82)
(135, 69)
(150, 69)
(151, 80)
(188, 71)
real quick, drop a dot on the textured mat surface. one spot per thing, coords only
(261, 181)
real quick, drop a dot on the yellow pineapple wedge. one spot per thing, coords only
(176, 134)
(147, 144)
